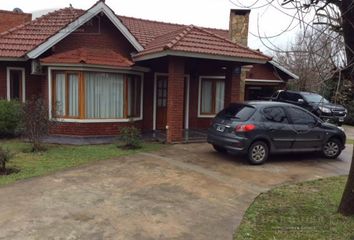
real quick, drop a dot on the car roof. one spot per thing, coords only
(299, 92)
(263, 103)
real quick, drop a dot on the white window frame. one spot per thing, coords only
(50, 80)
(200, 115)
(8, 85)
(186, 114)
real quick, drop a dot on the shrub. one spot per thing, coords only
(10, 118)
(130, 138)
(350, 116)
(36, 122)
(5, 156)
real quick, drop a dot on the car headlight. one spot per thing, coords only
(325, 109)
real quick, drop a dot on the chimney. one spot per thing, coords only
(239, 21)
(11, 19)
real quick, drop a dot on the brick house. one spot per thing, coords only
(99, 71)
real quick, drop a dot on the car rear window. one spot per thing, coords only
(240, 112)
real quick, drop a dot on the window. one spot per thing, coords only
(16, 84)
(275, 114)
(96, 95)
(237, 111)
(212, 94)
(301, 117)
(66, 103)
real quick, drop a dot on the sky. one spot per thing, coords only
(264, 21)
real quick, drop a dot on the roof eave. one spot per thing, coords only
(89, 14)
(283, 69)
(155, 55)
(13, 59)
(96, 66)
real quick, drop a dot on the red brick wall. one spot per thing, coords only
(175, 99)
(109, 37)
(232, 87)
(262, 71)
(11, 19)
(93, 129)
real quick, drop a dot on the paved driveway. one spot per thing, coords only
(181, 192)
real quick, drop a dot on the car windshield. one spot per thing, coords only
(237, 111)
(315, 98)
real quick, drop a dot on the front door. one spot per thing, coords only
(161, 102)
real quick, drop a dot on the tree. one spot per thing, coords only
(36, 122)
(338, 17)
(313, 56)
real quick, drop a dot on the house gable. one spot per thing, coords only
(99, 7)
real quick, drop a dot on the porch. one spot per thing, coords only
(189, 136)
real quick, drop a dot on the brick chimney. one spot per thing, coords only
(11, 19)
(239, 21)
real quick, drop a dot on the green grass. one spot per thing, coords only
(350, 141)
(59, 157)
(303, 211)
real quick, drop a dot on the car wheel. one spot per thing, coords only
(258, 153)
(332, 148)
(219, 149)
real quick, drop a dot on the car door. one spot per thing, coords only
(309, 135)
(278, 128)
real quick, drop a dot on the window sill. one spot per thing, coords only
(206, 116)
(123, 120)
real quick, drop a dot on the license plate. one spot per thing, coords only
(341, 119)
(220, 128)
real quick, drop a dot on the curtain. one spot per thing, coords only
(73, 95)
(60, 102)
(134, 96)
(206, 101)
(219, 96)
(104, 95)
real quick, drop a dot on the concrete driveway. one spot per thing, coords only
(181, 192)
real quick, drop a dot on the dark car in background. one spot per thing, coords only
(257, 129)
(313, 102)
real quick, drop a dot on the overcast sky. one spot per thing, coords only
(266, 21)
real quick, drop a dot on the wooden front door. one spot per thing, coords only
(161, 102)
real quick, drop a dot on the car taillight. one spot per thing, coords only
(245, 128)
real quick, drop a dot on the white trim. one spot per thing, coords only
(200, 94)
(186, 120)
(263, 80)
(100, 7)
(88, 66)
(8, 94)
(197, 55)
(97, 120)
(12, 59)
(50, 69)
(186, 113)
(277, 65)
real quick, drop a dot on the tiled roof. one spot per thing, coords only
(146, 30)
(92, 56)
(152, 35)
(18, 41)
(197, 40)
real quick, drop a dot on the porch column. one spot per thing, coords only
(175, 100)
(234, 89)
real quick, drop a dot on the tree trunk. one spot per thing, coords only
(346, 206)
(347, 11)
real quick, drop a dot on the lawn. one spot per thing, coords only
(59, 157)
(302, 211)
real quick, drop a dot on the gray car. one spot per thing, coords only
(258, 128)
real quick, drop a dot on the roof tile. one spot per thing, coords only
(92, 56)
